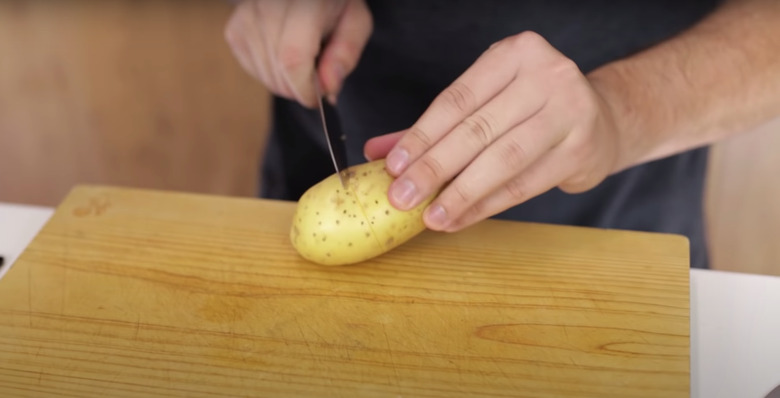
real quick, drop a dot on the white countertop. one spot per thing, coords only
(18, 225)
(735, 318)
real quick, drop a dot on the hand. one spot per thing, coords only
(520, 121)
(277, 42)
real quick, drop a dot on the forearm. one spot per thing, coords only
(719, 78)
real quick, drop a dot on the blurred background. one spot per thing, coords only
(147, 94)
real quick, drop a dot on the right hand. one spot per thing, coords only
(277, 42)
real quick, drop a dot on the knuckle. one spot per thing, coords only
(566, 67)
(565, 75)
(470, 215)
(459, 97)
(481, 128)
(291, 58)
(364, 16)
(233, 32)
(461, 193)
(512, 153)
(517, 190)
(348, 53)
(475, 210)
(432, 167)
(420, 137)
(525, 40)
(230, 33)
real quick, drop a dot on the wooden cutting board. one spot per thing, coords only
(133, 293)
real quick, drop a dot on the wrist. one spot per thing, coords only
(622, 110)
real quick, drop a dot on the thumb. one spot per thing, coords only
(345, 46)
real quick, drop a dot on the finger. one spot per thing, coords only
(495, 167)
(298, 47)
(235, 35)
(240, 50)
(518, 102)
(378, 147)
(488, 76)
(255, 30)
(535, 180)
(342, 52)
(269, 19)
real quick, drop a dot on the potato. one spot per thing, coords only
(334, 226)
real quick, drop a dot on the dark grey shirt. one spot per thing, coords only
(420, 47)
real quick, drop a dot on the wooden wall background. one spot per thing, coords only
(743, 202)
(140, 93)
(145, 93)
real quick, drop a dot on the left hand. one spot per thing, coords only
(520, 121)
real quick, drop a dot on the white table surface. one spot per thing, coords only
(735, 318)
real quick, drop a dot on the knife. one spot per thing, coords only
(333, 134)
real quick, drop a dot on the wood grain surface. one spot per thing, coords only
(132, 293)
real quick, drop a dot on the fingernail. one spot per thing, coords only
(365, 155)
(396, 160)
(331, 99)
(436, 217)
(403, 193)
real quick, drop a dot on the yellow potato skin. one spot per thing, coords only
(334, 226)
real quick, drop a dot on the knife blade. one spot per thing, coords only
(334, 136)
